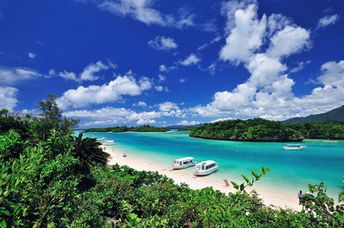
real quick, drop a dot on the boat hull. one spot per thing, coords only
(176, 167)
(206, 172)
(293, 148)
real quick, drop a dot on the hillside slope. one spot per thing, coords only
(336, 114)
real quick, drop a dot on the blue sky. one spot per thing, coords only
(133, 62)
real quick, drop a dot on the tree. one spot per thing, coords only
(51, 118)
(88, 151)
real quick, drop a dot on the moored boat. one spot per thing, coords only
(294, 147)
(108, 142)
(205, 168)
(183, 163)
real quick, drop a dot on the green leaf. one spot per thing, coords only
(246, 179)
(3, 224)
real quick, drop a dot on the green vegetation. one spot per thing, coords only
(335, 115)
(144, 128)
(330, 130)
(247, 130)
(51, 179)
(268, 131)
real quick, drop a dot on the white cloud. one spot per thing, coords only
(140, 104)
(8, 97)
(106, 93)
(190, 60)
(144, 122)
(327, 20)
(14, 75)
(51, 73)
(246, 36)
(112, 115)
(267, 93)
(162, 68)
(31, 55)
(277, 101)
(299, 66)
(143, 11)
(289, 40)
(332, 74)
(163, 43)
(159, 88)
(170, 109)
(122, 116)
(89, 73)
(162, 77)
(188, 123)
(68, 75)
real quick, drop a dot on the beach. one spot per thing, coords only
(269, 195)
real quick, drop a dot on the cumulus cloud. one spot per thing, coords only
(192, 59)
(246, 36)
(112, 115)
(267, 93)
(289, 40)
(14, 75)
(8, 97)
(89, 73)
(163, 43)
(332, 74)
(122, 116)
(125, 85)
(144, 11)
(170, 109)
(327, 20)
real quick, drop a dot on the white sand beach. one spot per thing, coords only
(269, 195)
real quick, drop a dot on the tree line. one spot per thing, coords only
(261, 130)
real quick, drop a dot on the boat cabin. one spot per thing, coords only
(183, 163)
(205, 168)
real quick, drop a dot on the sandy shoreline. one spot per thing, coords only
(269, 195)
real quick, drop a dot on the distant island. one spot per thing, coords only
(144, 128)
(261, 130)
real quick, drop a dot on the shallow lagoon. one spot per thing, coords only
(289, 170)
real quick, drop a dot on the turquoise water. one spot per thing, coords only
(289, 170)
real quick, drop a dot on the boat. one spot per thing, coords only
(108, 142)
(294, 147)
(205, 168)
(183, 163)
(102, 139)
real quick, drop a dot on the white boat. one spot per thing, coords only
(183, 163)
(102, 139)
(205, 168)
(294, 147)
(108, 142)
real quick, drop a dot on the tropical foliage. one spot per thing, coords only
(57, 180)
(268, 131)
(247, 130)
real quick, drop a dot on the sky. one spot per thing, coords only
(160, 62)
